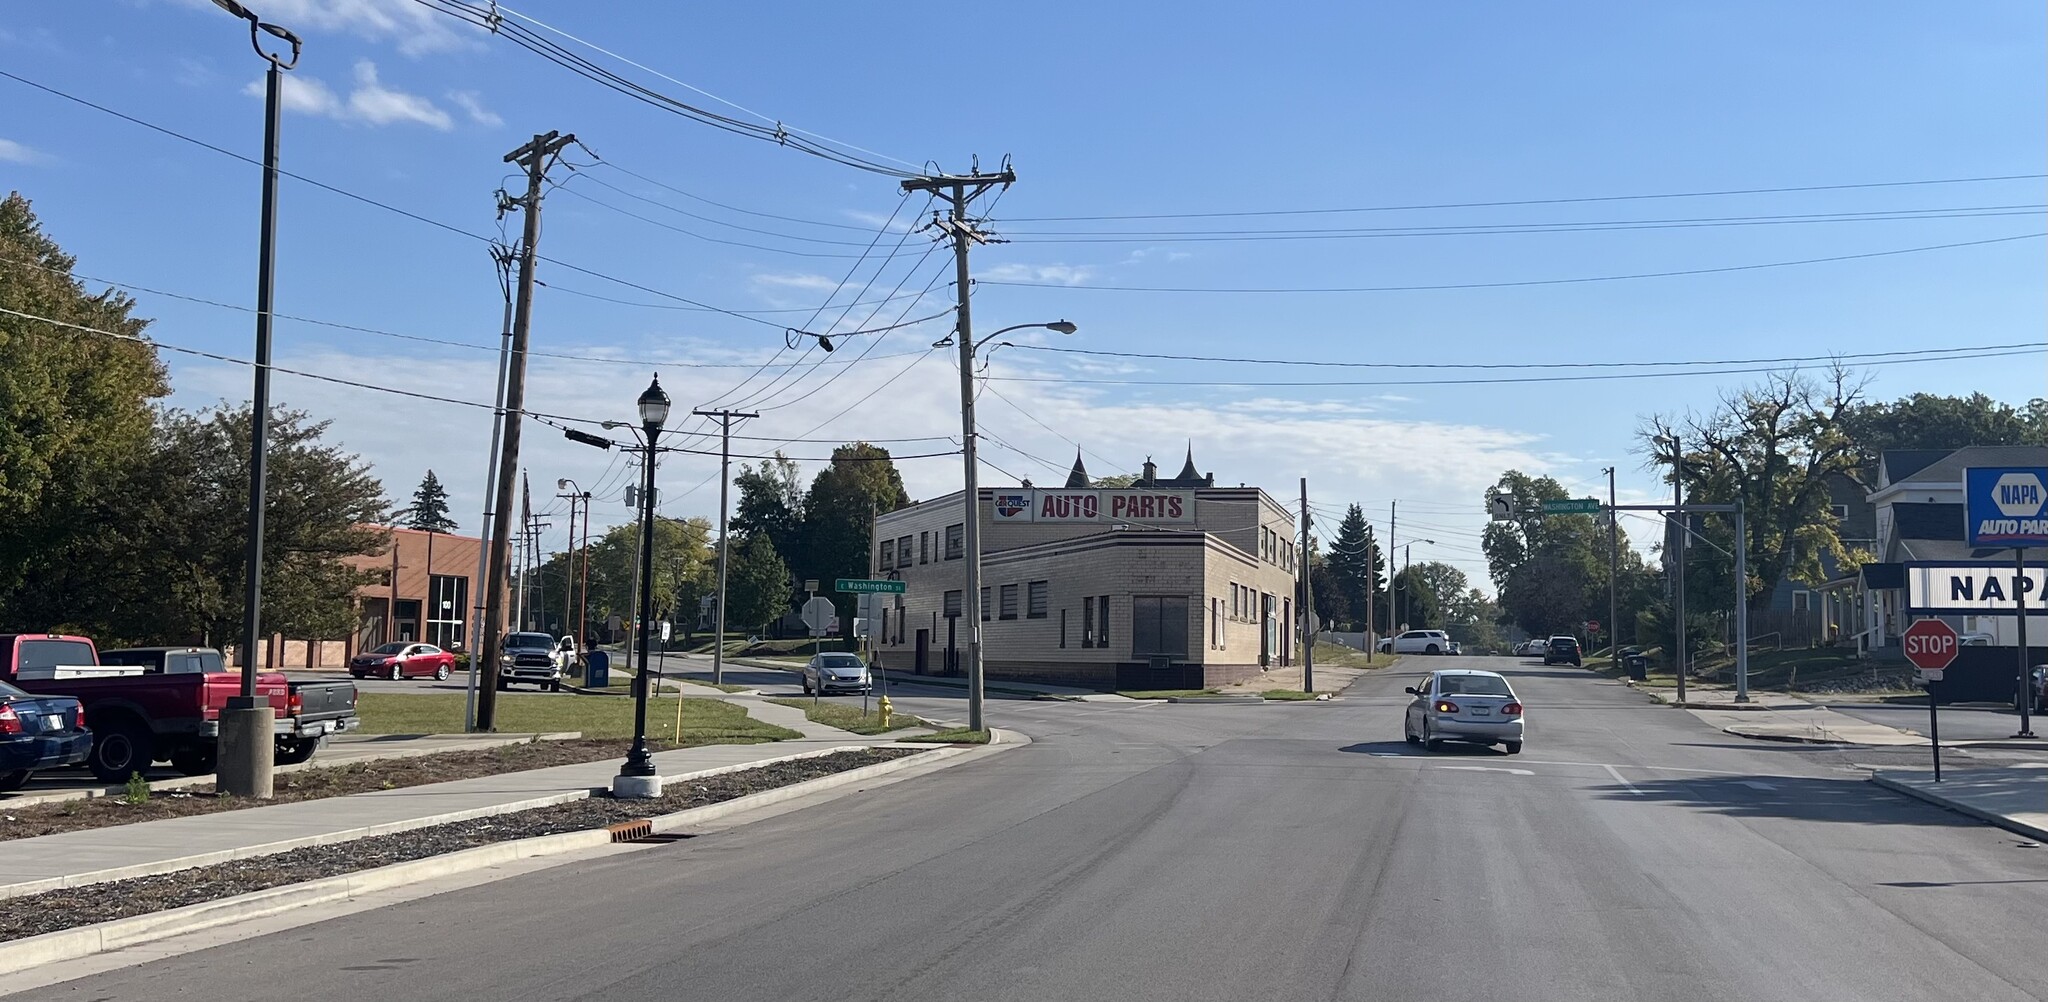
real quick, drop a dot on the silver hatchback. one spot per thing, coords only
(829, 673)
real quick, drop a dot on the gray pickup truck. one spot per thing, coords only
(529, 659)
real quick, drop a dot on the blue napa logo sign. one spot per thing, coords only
(2006, 506)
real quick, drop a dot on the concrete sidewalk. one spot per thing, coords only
(34, 865)
(1809, 724)
(2015, 799)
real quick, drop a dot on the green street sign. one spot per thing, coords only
(1572, 506)
(860, 586)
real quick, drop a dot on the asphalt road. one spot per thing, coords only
(1271, 852)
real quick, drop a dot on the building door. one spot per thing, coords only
(952, 645)
(924, 652)
(406, 624)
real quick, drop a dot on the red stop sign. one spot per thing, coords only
(1930, 644)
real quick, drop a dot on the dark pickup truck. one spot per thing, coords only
(155, 704)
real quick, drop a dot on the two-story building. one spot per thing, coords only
(1918, 516)
(1165, 584)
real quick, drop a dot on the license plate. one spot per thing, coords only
(53, 722)
(1482, 711)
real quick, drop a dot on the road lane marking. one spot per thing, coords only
(1616, 773)
(1488, 768)
(1754, 785)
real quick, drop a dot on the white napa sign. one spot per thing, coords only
(1974, 588)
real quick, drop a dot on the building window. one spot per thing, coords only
(1215, 623)
(1063, 629)
(1038, 599)
(953, 604)
(1102, 616)
(1087, 622)
(899, 620)
(956, 541)
(1159, 625)
(1802, 600)
(1009, 600)
(985, 603)
(924, 547)
(888, 555)
(903, 552)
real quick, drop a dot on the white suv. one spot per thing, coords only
(1419, 642)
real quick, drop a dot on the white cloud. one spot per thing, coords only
(469, 102)
(370, 102)
(415, 28)
(1144, 254)
(16, 153)
(877, 220)
(807, 283)
(1059, 274)
(193, 72)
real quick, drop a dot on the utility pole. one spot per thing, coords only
(1679, 542)
(524, 558)
(479, 627)
(1305, 602)
(1393, 526)
(1613, 570)
(535, 156)
(958, 191)
(725, 419)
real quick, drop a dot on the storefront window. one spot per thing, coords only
(1159, 625)
(1038, 599)
(1009, 606)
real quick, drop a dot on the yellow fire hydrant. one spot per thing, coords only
(882, 707)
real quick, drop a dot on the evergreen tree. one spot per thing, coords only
(1356, 564)
(757, 584)
(429, 509)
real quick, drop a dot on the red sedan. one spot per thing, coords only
(403, 660)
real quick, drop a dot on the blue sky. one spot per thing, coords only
(1106, 109)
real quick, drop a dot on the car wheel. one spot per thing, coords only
(1512, 747)
(1409, 736)
(1431, 743)
(807, 685)
(1432, 649)
(554, 687)
(12, 781)
(441, 674)
(120, 750)
(292, 751)
(195, 760)
(397, 671)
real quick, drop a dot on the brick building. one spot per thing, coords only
(1170, 583)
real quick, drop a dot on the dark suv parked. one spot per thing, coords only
(1562, 651)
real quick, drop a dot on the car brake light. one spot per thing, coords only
(1511, 710)
(9, 723)
(1446, 706)
(293, 704)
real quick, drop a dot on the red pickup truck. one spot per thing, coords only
(144, 712)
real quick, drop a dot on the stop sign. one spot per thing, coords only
(1930, 644)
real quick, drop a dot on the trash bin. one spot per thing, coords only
(1637, 666)
(597, 670)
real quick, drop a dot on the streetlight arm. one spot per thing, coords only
(1061, 326)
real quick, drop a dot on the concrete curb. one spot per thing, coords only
(161, 866)
(1795, 738)
(186, 782)
(1988, 817)
(1228, 700)
(70, 944)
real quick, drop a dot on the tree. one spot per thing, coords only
(1332, 608)
(1551, 571)
(682, 568)
(860, 482)
(1356, 564)
(1929, 421)
(1445, 582)
(771, 502)
(1116, 480)
(1773, 446)
(428, 511)
(757, 583)
(1415, 604)
(74, 415)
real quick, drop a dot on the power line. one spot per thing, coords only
(1540, 201)
(1524, 283)
(729, 208)
(1474, 381)
(1508, 229)
(488, 18)
(1326, 363)
(671, 227)
(657, 203)
(704, 309)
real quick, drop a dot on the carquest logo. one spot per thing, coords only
(1012, 505)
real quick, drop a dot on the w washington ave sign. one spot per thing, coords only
(2005, 506)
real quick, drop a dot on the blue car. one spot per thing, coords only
(39, 732)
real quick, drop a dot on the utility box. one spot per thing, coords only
(597, 670)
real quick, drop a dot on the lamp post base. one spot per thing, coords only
(636, 787)
(247, 749)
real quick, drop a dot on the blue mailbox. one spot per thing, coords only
(597, 670)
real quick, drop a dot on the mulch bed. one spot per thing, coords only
(33, 820)
(78, 906)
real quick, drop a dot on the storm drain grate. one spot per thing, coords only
(631, 831)
(661, 838)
